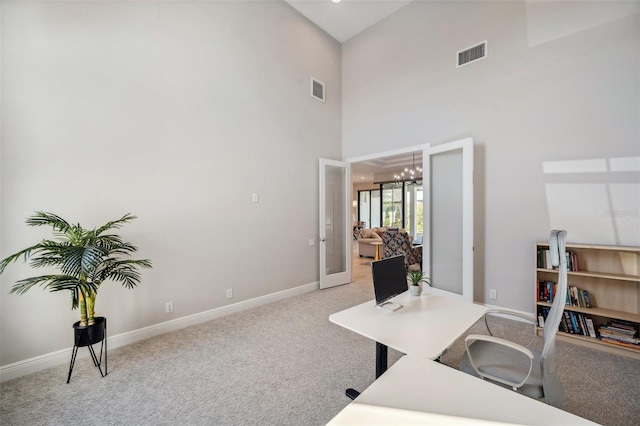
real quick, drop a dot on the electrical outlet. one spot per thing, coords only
(493, 294)
(229, 293)
(168, 307)
(312, 242)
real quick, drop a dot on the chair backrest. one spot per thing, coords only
(395, 243)
(552, 385)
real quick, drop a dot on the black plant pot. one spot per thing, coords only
(89, 334)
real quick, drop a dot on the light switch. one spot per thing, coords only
(254, 197)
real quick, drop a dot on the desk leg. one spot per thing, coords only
(381, 359)
(352, 393)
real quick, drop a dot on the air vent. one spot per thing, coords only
(472, 54)
(317, 89)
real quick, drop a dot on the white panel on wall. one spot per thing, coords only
(583, 209)
(625, 212)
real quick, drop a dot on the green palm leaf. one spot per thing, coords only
(84, 257)
(50, 219)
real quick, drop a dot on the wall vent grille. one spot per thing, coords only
(317, 89)
(472, 54)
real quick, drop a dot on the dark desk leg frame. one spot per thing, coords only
(382, 361)
(96, 361)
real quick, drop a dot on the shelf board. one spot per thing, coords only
(592, 340)
(619, 277)
(600, 312)
(632, 249)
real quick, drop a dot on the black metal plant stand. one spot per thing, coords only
(88, 336)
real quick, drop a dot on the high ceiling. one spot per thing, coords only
(349, 17)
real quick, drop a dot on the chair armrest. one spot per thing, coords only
(498, 341)
(502, 313)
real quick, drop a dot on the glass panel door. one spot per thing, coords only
(446, 221)
(335, 223)
(448, 249)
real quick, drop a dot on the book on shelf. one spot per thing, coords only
(567, 322)
(544, 260)
(571, 322)
(575, 322)
(620, 332)
(564, 324)
(580, 297)
(585, 327)
(591, 328)
(574, 297)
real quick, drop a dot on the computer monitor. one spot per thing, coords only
(389, 278)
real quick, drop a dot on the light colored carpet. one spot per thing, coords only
(279, 364)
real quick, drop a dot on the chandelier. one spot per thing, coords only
(410, 174)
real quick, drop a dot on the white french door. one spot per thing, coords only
(335, 223)
(448, 217)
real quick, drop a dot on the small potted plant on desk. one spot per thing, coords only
(85, 258)
(416, 278)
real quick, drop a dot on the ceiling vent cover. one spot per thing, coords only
(472, 54)
(317, 89)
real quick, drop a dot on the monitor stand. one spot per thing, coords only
(391, 306)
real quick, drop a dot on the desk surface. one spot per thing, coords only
(419, 391)
(426, 325)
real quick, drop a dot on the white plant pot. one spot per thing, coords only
(415, 290)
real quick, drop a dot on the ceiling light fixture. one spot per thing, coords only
(336, 1)
(410, 174)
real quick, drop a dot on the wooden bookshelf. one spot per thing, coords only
(611, 277)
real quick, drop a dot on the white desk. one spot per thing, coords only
(425, 326)
(419, 391)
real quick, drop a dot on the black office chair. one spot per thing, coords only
(521, 368)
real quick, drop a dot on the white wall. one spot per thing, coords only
(550, 93)
(176, 112)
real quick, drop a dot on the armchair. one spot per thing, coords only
(398, 242)
(365, 238)
(508, 364)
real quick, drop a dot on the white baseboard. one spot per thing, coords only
(31, 365)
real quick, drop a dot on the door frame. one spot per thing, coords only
(422, 148)
(468, 221)
(467, 148)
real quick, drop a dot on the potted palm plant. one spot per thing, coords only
(416, 278)
(85, 258)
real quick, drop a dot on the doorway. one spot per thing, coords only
(447, 216)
